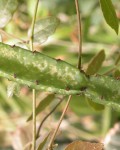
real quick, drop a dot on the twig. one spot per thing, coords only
(79, 33)
(45, 118)
(12, 36)
(34, 92)
(34, 119)
(32, 26)
(50, 147)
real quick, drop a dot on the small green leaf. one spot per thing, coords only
(96, 63)
(45, 28)
(7, 8)
(110, 14)
(96, 106)
(42, 105)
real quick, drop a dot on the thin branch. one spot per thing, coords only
(34, 119)
(12, 36)
(33, 24)
(79, 33)
(45, 118)
(50, 147)
(34, 92)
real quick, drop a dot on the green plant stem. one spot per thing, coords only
(79, 33)
(33, 24)
(34, 92)
(44, 119)
(50, 147)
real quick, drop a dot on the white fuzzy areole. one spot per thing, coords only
(54, 70)
(7, 53)
(42, 66)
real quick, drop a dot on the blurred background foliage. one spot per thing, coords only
(81, 120)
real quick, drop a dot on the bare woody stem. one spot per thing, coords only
(79, 33)
(34, 92)
(34, 120)
(32, 26)
(50, 147)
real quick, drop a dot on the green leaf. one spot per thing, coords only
(110, 14)
(42, 105)
(7, 8)
(96, 106)
(104, 90)
(96, 63)
(44, 28)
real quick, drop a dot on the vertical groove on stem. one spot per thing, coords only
(79, 33)
(34, 92)
(50, 147)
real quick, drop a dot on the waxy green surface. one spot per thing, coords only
(39, 71)
(104, 90)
